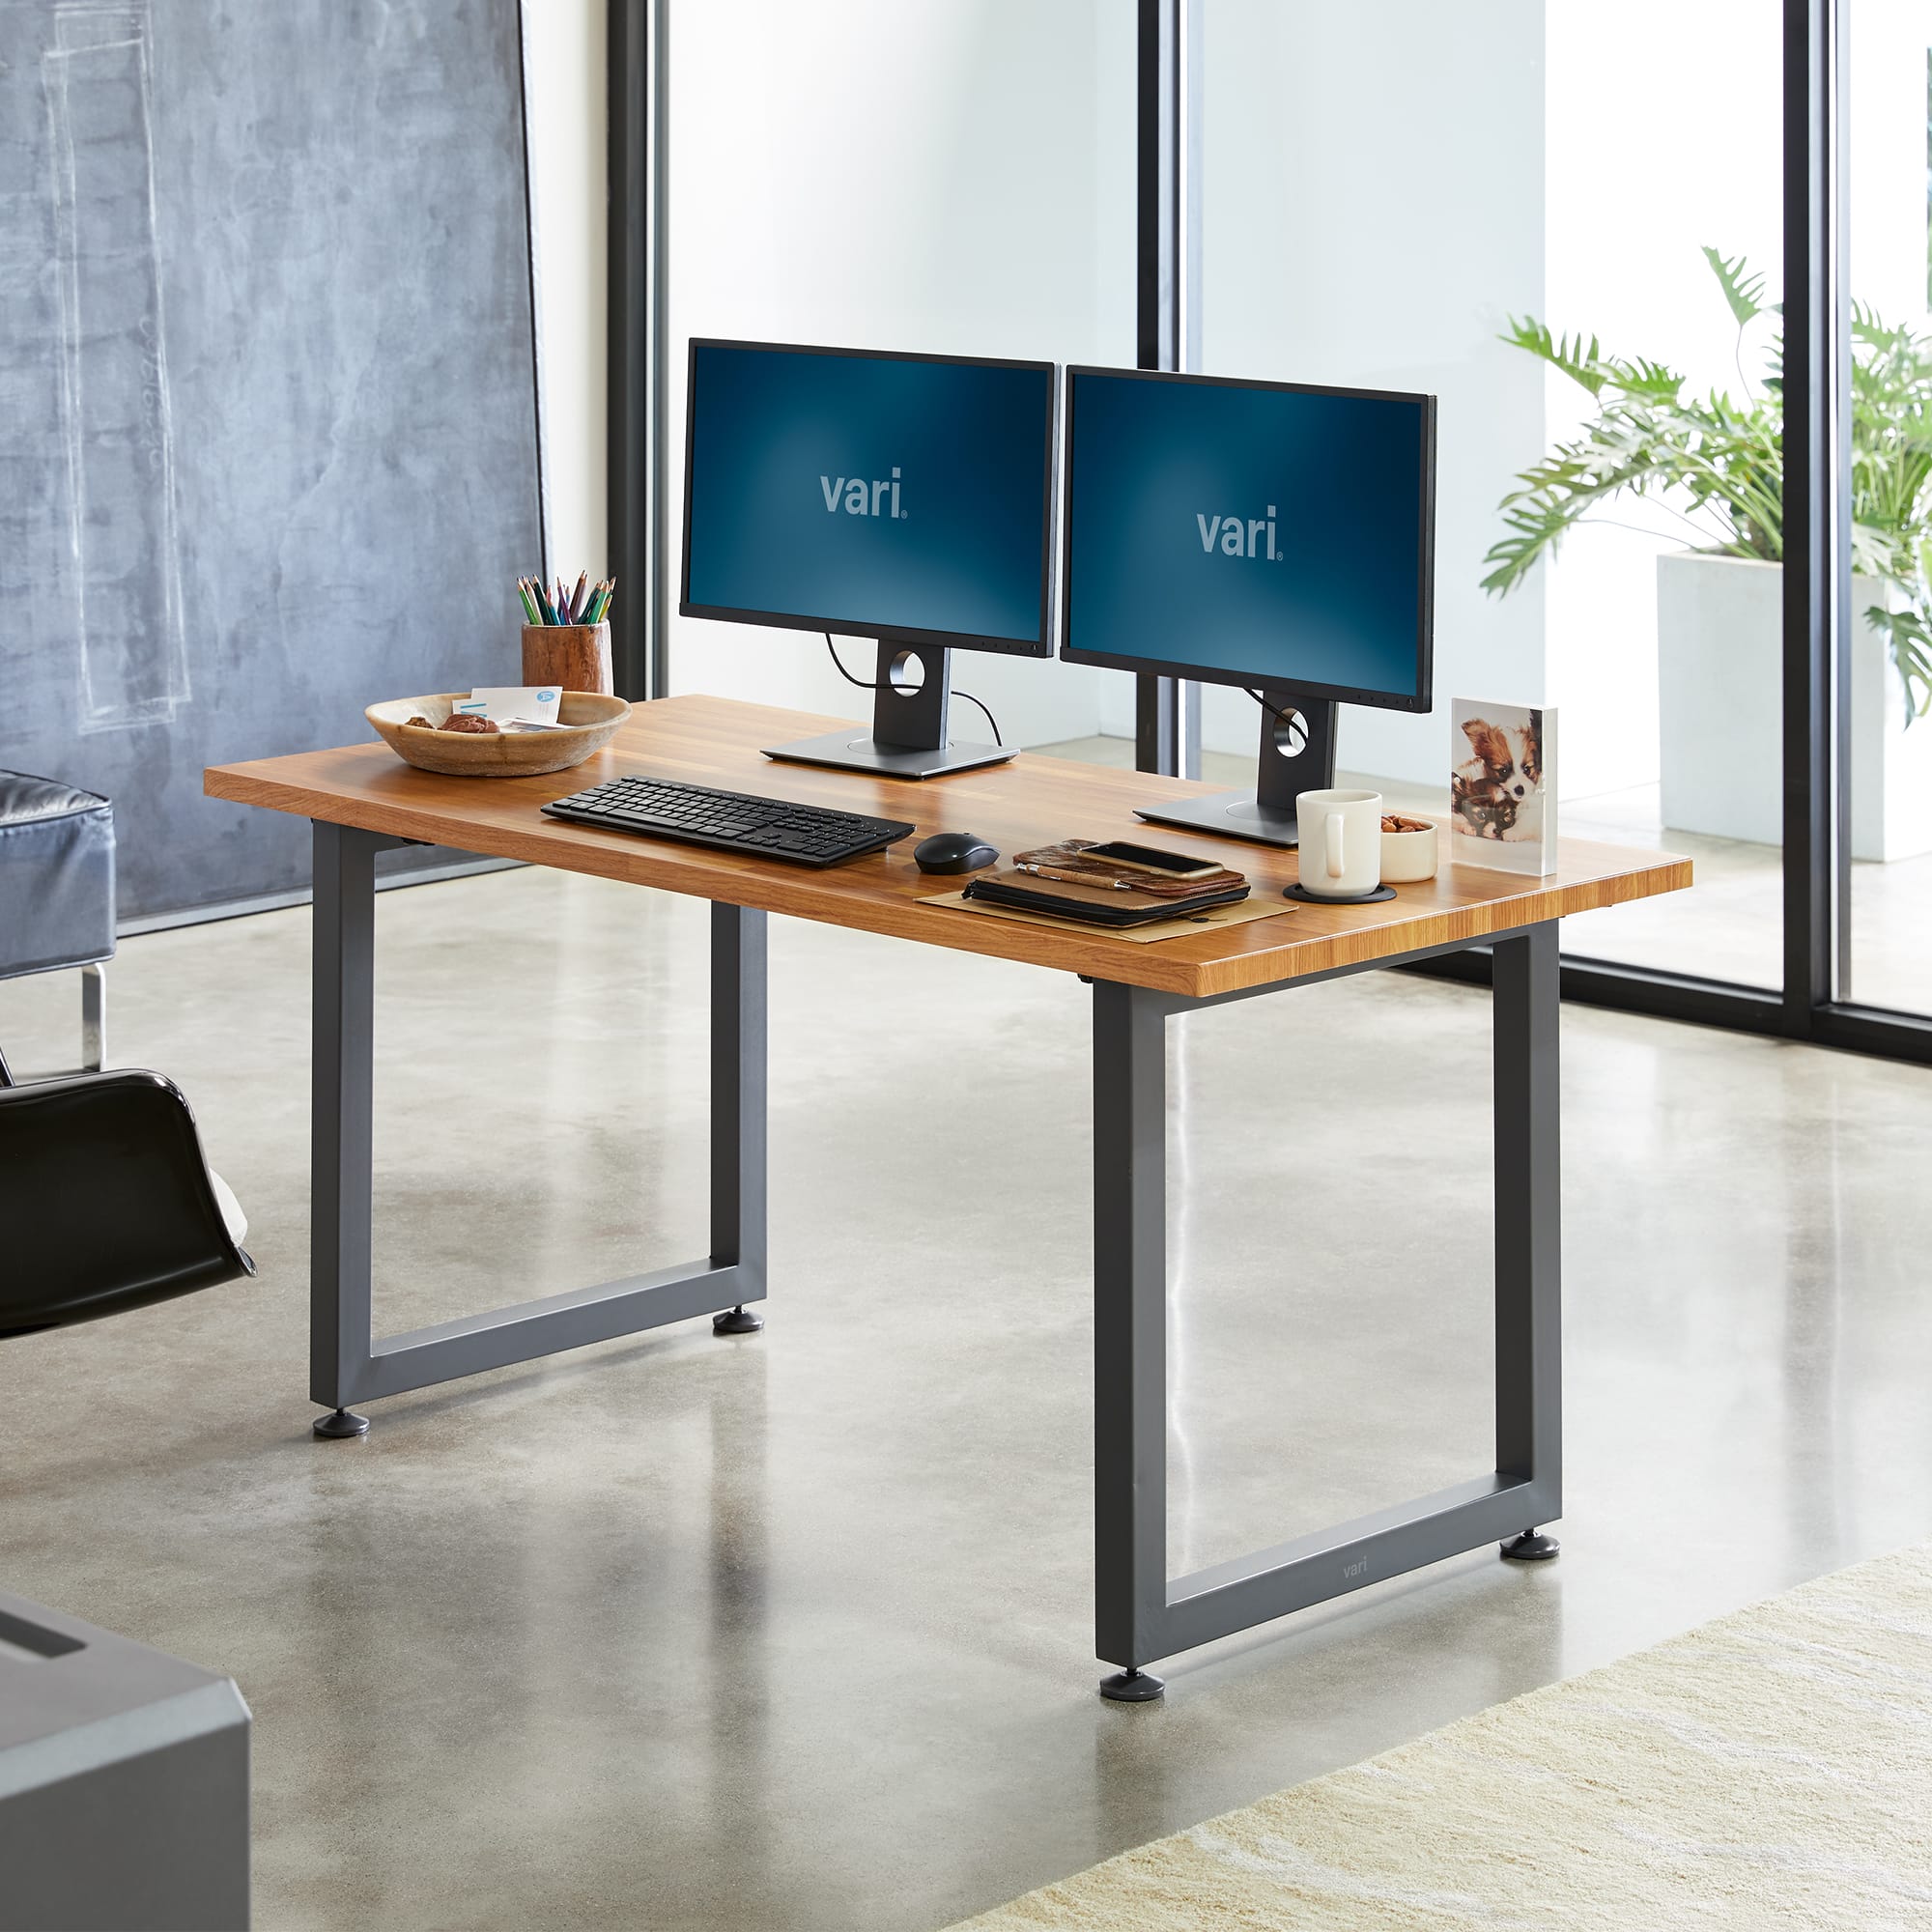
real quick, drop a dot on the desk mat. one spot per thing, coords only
(1237, 913)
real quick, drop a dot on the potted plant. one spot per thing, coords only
(1716, 465)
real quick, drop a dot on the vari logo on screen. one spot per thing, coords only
(850, 494)
(1225, 533)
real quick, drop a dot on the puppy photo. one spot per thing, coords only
(1502, 803)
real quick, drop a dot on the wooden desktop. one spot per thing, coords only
(1030, 801)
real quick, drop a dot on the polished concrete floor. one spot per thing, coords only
(794, 1631)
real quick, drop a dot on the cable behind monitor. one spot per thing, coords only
(866, 684)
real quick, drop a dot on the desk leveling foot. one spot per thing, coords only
(1531, 1546)
(344, 1423)
(1133, 1687)
(738, 1320)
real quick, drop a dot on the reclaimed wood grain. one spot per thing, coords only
(1031, 801)
(576, 656)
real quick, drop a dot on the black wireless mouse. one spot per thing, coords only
(953, 852)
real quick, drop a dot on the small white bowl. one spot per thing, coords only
(1409, 857)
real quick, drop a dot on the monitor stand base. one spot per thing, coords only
(908, 739)
(853, 750)
(1229, 815)
(1298, 755)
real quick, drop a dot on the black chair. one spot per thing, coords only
(105, 1201)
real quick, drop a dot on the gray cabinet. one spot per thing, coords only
(123, 1783)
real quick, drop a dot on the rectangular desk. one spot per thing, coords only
(362, 799)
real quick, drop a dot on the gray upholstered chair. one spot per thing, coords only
(57, 892)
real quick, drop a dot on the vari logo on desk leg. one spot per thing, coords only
(1233, 538)
(860, 499)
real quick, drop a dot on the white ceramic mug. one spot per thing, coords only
(1341, 843)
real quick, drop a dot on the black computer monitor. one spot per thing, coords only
(908, 498)
(1271, 535)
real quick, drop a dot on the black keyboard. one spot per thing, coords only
(732, 821)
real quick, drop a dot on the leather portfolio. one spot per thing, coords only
(1060, 880)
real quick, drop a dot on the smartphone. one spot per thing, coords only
(1151, 859)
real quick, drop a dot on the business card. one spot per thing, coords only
(507, 704)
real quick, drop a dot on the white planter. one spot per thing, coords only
(1719, 645)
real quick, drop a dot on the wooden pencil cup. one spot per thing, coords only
(577, 657)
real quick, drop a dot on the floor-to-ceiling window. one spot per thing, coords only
(955, 176)
(1371, 213)
(1474, 201)
(1889, 690)
(1655, 506)
(1571, 227)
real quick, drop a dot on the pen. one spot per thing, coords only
(1073, 878)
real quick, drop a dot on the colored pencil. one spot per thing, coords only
(558, 603)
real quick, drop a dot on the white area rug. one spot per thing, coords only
(1773, 1769)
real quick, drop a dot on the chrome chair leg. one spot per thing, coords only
(93, 1017)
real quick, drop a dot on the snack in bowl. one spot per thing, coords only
(1409, 849)
(432, 734)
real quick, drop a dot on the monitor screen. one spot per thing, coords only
(1251, 533)
(907, 497)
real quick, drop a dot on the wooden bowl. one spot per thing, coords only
(496, 754)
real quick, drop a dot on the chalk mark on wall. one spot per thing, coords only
(117, 426)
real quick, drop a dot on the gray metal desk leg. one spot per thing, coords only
(1140, 1612)
(341, 1097)
(738, 1137)
(1129, 1334)
(347, 1362)
(1529, 1210)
